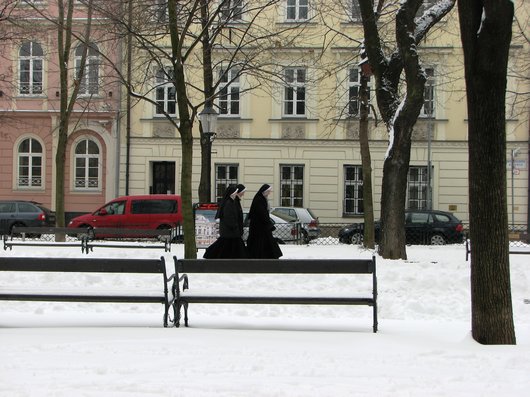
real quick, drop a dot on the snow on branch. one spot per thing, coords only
(431, 16)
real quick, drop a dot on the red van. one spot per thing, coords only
(155, 211)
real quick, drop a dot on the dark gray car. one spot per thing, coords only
(24, 213)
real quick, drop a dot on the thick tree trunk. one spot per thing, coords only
(486, 43)
(393, 195)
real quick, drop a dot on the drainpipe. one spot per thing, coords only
(128, 109)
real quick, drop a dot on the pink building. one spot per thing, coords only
(30, 104)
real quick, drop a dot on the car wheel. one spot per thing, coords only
(14, 225)
(356, 238)
(305, 237)
(437, 239)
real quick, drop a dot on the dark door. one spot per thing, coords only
(163, 177)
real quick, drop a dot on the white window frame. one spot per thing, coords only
(85, 181)
(292, 187)
(89, 84)
(354, 84)
(229, 100)
(354, 11)
(35, 161)
(355, 200)
(417, 185)
(297, 10)
(32, 83)
(231, 172)
(428, 109)
(232, 11)
(295, 92)
(165, 94)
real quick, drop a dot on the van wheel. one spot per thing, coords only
(89, 234)
(163, 238)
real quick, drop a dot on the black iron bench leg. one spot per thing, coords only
(185, 304)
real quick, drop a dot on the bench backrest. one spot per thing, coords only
(289, 266)
(96, 265)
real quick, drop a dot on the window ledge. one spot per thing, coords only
(294, 120)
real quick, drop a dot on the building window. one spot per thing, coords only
(297, 10)
(354, 88)
(89, 84)
(31, 59)
(30, 163)
(417, 185)
(294, 93)
(166, 100)
(229, 89)
(292, 185)
(428, 97)
(355, 12)
(87, 165)
(231, 11)
(225, 175)
(353, 190)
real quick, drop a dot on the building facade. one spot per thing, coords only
(297, 130)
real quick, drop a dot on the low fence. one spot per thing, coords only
(326, 234)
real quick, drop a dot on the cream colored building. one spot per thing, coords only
(301, 136)
(297, 130)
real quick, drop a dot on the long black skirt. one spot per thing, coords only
(226, 248)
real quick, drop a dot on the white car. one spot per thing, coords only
(287, 230)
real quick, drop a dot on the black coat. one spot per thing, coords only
(260, 242)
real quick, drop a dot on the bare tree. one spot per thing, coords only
(68, 94)
(486, 31)
(190, 41)
(399, 111)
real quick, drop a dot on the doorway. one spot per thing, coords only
(163, 177)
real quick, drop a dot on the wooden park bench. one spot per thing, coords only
(187, 269)
(76, 266)
(88, 238)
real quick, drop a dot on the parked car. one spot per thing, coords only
(308, 220)
(421, 227)
(24, 214)
(286, 230)
(155, 211)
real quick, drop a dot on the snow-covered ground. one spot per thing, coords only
(423, 347)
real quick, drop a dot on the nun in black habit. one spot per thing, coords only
(230, 243)
(260, 242)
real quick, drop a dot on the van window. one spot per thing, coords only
(115, 208)
(153, 207)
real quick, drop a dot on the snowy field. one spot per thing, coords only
(423, 347)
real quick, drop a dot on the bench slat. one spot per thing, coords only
(293, 300)
(94, 265)
(290, 266)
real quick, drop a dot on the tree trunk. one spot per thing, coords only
(393, 195)
(369, 238)
(205, 184)
(486, 45)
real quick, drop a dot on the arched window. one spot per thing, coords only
(89, 84)
(29, 163)
(31, 58)
(87, 165)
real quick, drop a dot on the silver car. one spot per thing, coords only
(287, 230)
(307, 219)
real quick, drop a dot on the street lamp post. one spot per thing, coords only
(208, 118)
